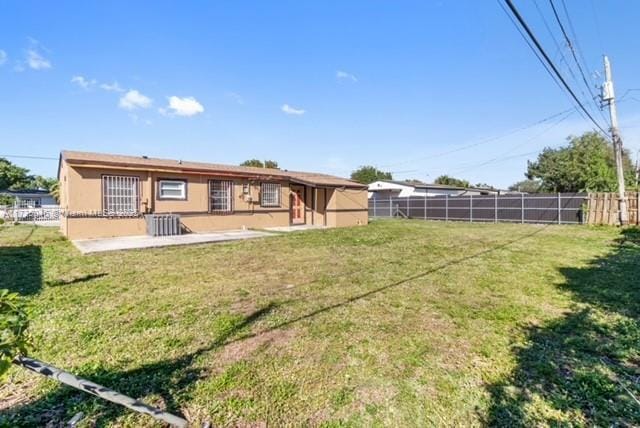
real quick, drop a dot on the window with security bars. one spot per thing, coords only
(221, 196)
(270, 195)
(120, 195)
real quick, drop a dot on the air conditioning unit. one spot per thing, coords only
(163, 224)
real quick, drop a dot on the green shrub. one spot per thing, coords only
(14, 321)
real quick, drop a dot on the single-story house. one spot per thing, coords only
(31, 198)
(104, 195)
(385, 189)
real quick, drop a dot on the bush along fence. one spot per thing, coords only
(603, 208)
(558, 208)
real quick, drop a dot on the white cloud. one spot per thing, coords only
(111, 87)
(187, 106)
(3, 57)
(291, 110)
(83, 82)
(343, 75)
(36, 61)
(134, 100)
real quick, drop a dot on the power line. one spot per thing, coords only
(564, 60)
(544, 54)
(504, 156)
(29, 157)
(542, 62)
(573, 49)
(555, 41)
(481, 142)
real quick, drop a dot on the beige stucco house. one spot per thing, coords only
(103, 195)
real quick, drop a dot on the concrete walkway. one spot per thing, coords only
(87, 246)
(297, 228)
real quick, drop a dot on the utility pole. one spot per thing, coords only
(608, 96)
(638, 171)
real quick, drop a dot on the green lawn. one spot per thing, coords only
(401, 323)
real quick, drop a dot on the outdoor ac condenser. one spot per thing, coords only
(163, 224)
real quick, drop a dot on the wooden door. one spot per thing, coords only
(297, 205)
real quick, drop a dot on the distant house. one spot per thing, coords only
(384, 189)
(104, 195)
(31, 198)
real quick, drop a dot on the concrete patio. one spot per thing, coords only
(87, 246)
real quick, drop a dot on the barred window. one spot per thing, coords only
(120, 195)
(270, 194)
(221, 195)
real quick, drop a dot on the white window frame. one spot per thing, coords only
(120, 195)
(183, 189)
(223, 190)
(270, 194)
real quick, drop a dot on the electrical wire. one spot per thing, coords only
(573, 47)
(553, 67)
(544, 65)
(29, 157)
(504, 156)
(481, 142)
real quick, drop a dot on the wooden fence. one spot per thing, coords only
(602, 208)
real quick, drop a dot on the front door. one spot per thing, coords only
(297, 205)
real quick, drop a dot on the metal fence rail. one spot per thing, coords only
(560, 208)
(44, 216)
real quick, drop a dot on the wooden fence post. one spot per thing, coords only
(495, 207)
(470, 208)
(522, 208)
(390, 207)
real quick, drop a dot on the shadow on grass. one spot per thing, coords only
(21, 269)
(168, 379)
(583, 368)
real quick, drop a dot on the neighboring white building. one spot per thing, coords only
(31, 198)
(385, 189)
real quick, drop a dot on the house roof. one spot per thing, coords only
(25, 192)
(142, 162)
(421, 185)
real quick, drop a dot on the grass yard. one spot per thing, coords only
(401, 323)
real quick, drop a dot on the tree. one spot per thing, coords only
(413, 181)
(452, 181)
(484, 186)
(12, 175)
(368, 174)
(526, 186)
(586, 164)
(257, 163)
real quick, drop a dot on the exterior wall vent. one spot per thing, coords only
(163, 224)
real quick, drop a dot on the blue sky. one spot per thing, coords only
(322, 86)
